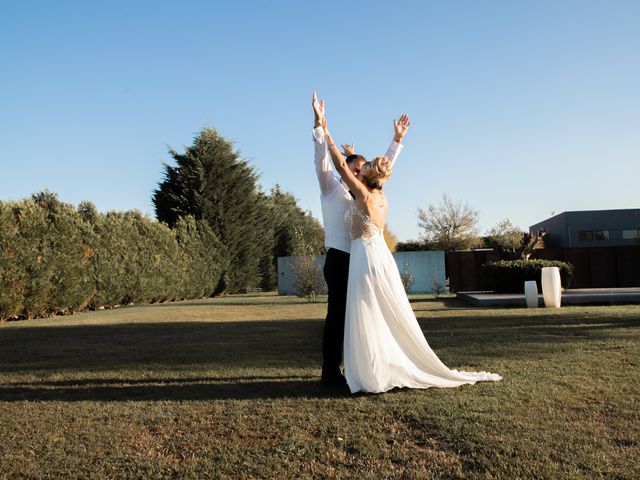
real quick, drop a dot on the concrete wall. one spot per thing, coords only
(286, 278)
(425, 268)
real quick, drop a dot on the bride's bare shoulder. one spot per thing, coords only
(377, 199)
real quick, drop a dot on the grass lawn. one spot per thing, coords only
(228, 388)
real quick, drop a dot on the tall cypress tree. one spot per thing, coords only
(212, 182)
(288, 222)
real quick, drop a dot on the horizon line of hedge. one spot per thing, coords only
(57, 258)
(508, 276)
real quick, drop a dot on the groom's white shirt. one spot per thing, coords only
(334, 194)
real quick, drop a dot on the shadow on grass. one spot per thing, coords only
(241, 302)
(446, 302)
(162, 346)
(183, 390)
(161, 361)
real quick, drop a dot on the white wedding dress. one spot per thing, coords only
(384, 346)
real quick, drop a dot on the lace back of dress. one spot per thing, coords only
(360, 224)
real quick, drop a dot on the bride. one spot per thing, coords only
(384, 346)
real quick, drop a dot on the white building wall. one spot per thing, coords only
(427, 269)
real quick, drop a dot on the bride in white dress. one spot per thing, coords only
(384, 346)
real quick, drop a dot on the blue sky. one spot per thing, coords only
(518, 108)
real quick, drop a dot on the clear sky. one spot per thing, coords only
(519, 108)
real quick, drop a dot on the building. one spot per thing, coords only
(591, 228)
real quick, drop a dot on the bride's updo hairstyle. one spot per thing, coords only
(376, 172)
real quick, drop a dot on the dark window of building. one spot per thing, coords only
(630, 234)
(585, 235)
(602, 234)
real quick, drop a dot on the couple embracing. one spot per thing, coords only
(369, 323)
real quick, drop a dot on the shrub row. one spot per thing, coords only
(58, 258)
(508, 276)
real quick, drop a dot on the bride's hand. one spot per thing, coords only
(400, 127)
(318, 111)
(348, 149)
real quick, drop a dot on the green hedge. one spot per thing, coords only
(508, 276)
(58, 258)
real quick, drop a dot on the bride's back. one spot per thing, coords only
(368, 216)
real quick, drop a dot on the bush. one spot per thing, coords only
(13, 275)
(414, 246)
(56, 258)
(205, 258)
(138, 260)
(508, 276)
(45, 267)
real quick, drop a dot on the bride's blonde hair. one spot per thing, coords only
(376, 172)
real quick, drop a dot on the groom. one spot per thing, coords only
(336, 200)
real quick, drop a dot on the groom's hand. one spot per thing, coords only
(400, 127)
(348, 149)
(318, 110)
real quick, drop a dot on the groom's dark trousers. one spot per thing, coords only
(336, 274)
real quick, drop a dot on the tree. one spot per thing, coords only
(406, 277)
(506, 236)
(309, 280)
(212, 182)
(415, 246)
(450, 225)
(390, 239)
(290, 225)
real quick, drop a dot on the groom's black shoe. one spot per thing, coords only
(336, 380)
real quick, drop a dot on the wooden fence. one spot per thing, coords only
(594, 267)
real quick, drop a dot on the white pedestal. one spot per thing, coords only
(531, 293)
(551, 286)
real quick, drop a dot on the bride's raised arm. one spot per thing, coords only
(356, 186)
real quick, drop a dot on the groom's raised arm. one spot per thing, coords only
(324, 171)
(400, 128)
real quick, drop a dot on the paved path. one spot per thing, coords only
(577, 296)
